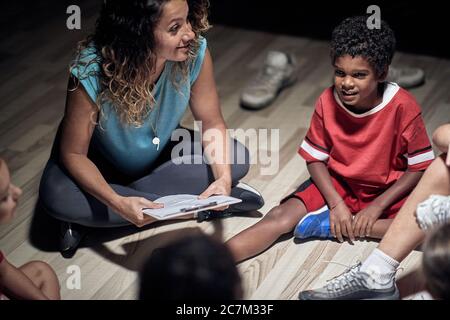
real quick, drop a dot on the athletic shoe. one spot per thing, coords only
(252, 200)
(279, 71)
(353, 284)
(406, 77)
(315, 224)
(433, 211)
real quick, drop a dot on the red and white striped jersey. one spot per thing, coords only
(372, 149)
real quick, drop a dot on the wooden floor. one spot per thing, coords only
(34, 64)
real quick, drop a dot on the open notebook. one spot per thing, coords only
(178, 205)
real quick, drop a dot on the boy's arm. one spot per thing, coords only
(398, 190)
(17, 284)
(340, 215)
(364, 220)
(322, 179)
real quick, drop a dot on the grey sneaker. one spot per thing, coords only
(279, 71)
(406, 77)
(352, 285)
(433, 211)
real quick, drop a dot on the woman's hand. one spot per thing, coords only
(130, 208)
(221, 186)
(365, 219)
(341, 222)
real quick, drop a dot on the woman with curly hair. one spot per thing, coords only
(129, 86)
(365, 150)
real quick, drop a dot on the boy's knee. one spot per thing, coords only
(280, 218)
(40, 270)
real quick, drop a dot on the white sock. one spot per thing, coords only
(381, 267)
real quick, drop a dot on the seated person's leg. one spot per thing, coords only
(278, 221)
(188, 173)
(257, 238)
(64, 200)
(403, 236)
(397, 243)
(43, 277)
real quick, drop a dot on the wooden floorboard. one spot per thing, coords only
(34, 64)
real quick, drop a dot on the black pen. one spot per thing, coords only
(199, 207)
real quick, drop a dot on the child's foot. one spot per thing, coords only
(315, 224)
(354, 284)
(433, 211)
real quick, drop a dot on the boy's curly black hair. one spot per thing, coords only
(353, 37)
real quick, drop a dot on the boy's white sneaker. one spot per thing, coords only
(406, 77)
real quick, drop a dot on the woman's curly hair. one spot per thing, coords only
(353, 37)
(124, 41)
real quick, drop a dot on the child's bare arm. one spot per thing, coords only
(365, 219)
(17, 284)
(340, 215)
(399, 189)
(321, 177)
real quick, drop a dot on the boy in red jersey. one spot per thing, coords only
(366, 149)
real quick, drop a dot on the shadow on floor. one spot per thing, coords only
(45, 230)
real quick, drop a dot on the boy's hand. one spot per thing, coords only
(365, 219)
(341, 222)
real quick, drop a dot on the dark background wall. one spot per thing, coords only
(420, 27)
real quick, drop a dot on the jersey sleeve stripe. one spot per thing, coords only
(423, 157)
(315, 144)
(411, 154)
(319, 155)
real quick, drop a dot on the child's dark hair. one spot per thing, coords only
(436, 262)
(195, 267)
(353, 37)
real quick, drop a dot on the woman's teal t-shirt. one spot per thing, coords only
(130, 148)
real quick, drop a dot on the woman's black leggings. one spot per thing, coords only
(63, 199)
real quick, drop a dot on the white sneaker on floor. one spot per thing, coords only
(433, 211)
(279, 71)
(353, 284)
(406, 77)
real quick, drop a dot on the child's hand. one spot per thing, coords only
(365, 219)
(341, 222)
